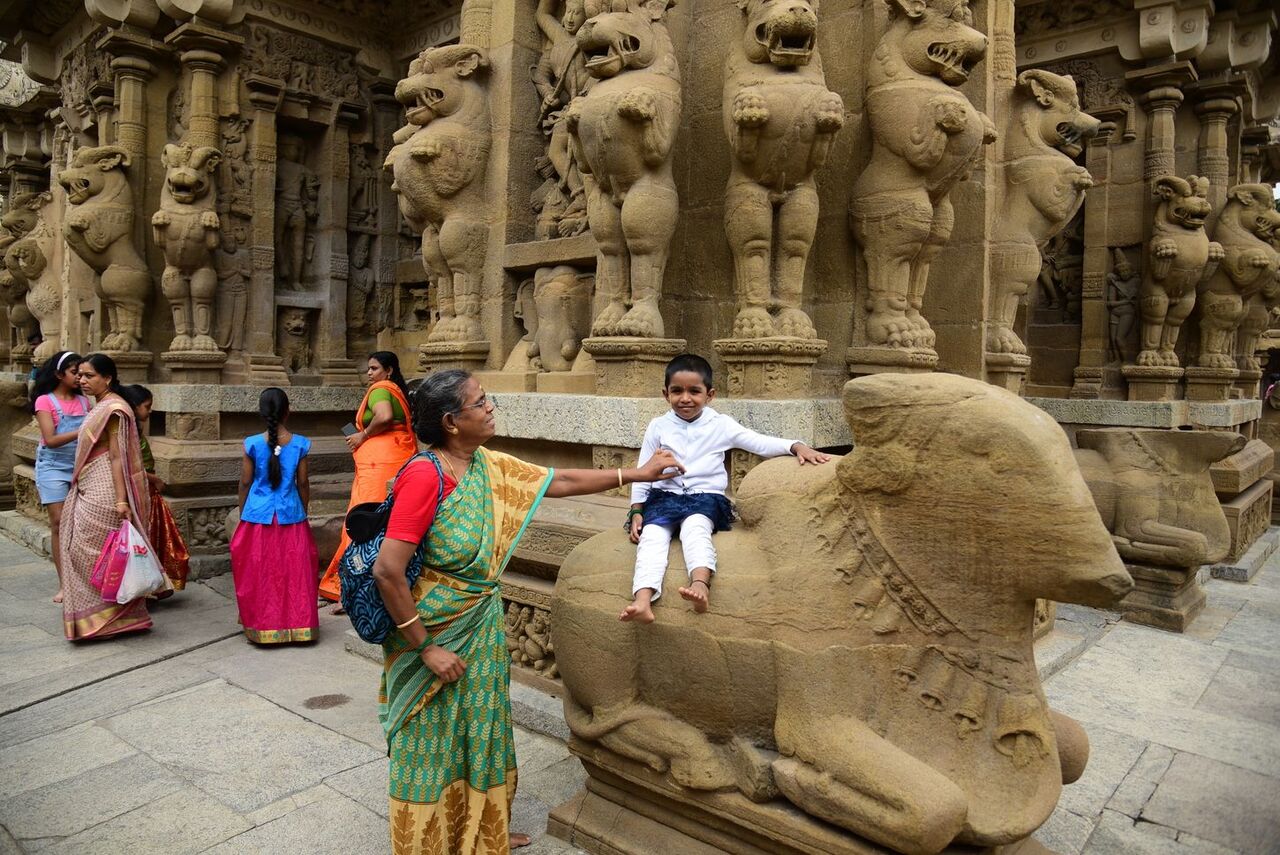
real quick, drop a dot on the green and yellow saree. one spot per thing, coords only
(453, 764)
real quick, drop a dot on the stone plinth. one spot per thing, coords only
(1248, 384)
(1164, 597)
(1152, 383)
(568, 382)
(1242, 470)
(1208, 384)
(188, 366)
(508, 381)
(132, 365)
(1008, 370)
(631, 366)
(1156, 414)
(439, 355)
(1248, 516)
(864, 360)
(775, 367)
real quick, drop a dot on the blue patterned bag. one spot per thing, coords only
(367, 526)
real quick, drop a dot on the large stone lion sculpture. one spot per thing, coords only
(623, 129)
(24, 260)
(868, 652)
(925, 139)
(438, 165)
(780, 119)
(1234, 299)
(99, 229)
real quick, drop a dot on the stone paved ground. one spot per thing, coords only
(187, 739)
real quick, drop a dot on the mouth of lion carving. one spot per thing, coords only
(422, 108)
(78, 190)
(788, 43)
(606, 60)
(954, 58)
(1069, 139)
(1192, 219)
(185, 189)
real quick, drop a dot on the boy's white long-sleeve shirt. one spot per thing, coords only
(700, 446)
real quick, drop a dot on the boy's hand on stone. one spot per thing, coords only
(637, 523)
(804, 454)
(655, 468)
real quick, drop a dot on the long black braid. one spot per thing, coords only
(273, 406)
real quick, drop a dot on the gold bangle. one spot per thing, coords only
(406, 623)
(620, 477)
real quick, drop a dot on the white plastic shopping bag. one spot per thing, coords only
(143, 575)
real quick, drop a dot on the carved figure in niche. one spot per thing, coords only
(297, 197)
(419, 315)
(234, 272)
(186, 228)
(1123, 286)
(99, 229)
(362, 209)
(872, 705)
(623, 129)
(1043, 190)
(438, 164)
(517, 619)
(780, 119)
(293, 339)
(237, 191)
(25, 260)
(1154, 493)
(1233, 302)
(362, 291)
(537, 651)
(561, 318)
(1179, 256)
(560, 76)
(1052, 293)
(178, 112)
(926, 138)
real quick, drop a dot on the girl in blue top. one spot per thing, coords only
(273, 556)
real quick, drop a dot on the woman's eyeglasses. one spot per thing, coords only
(485, 400)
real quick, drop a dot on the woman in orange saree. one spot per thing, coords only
(109, 485)
(383, 444)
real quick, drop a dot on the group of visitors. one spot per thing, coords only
(444, 698)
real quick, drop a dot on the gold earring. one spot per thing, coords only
(453, 430)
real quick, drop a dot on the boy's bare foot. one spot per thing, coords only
(518, 840)
(57, 598)
(641, 608)
(697, 592)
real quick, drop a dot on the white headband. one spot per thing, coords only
(61, 360)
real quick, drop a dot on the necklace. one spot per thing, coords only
(444, 455)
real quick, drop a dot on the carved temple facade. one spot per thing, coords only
(238, 193)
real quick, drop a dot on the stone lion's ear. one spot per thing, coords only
(207, 157)
(1244, 194)
(1171, 187)
(468, 65)
(1033, 80)
(111, 157)
(913, 9)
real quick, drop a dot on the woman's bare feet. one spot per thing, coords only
(518, 840)
(57, 598)
(641, 608)
(698, 591)
(337, 609)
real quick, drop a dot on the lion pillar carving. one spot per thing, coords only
(24, 260)
(1155, 495)
(186, 228)
(1179, 258)
(872, 662)
(34, 258)
(926, 136)
(438, 165)
(623, 129)
(1232, 306)
(99, 229)
(1043, 189)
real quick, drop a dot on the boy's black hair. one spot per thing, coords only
(689, 362)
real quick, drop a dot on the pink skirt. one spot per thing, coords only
(276, 571)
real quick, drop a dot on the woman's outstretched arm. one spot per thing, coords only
(581, 482)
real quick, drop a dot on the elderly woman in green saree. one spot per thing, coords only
(444, 701)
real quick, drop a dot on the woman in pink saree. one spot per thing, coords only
(109, 486)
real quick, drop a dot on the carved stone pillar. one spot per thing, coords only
(262, 365)
(1216, 106)
(331, 335)
(1095, 318)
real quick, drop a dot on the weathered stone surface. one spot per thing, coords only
(180, 822)
(1248, 517)
(1234, 474)
(864, 517)
(350, 828)
(1161, 414)
(1218, 804)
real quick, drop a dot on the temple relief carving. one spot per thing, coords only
(1179, 256)
(926, 137)
(1043, 190)
(26, 259)
(187, 230)
(297, 199)
(623, 129)
(294, 339)
(780, 119)
(560, 76)
(1124, 285)
(1233, 309)
(871, 705)
(438, 165)
(99, 229)
(561, 318)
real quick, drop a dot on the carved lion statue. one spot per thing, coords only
(780, 119)
(1179, 256)
(438, 164)
(1043, 190)
(24, 260)
(186, 228)
(293, 338)
(1234, 299)
(99, 229)
(622, 132)
(925, 139)
(868, 652)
